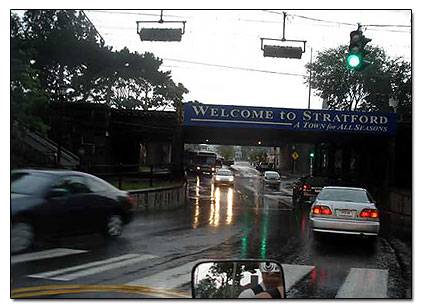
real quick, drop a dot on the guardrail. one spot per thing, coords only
(122, 171)
(163, 198)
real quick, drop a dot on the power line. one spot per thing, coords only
(102, 41)
(336, 22)
(235, 67)
(132, 13)
(260, 21)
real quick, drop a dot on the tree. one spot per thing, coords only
(27, 98)
(256, 155)
(223, 279)
(50, 48)
(134, 81)
(227, 151)
(366, 90)
(206, 287)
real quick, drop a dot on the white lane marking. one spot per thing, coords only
(46, 254)
(293, 273)
(168, 279)
(364, 283)
(91, 268)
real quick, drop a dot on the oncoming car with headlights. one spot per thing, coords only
(224, 177)
(272, 178)
(345, 210)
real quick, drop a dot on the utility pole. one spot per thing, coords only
(310, 79)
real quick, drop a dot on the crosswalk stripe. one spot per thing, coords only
(168, 279)
(46, 254)
(364, 283)
(293, 273)
(91, 268)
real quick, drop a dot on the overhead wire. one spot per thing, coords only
(252, 20)
(243, 68)
(235, 67)
(335, 22)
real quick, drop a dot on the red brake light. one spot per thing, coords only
(321, 210)
(364, 214)
(369, 213)
(326, 211)
(131, 200)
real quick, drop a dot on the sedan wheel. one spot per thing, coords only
(21, 237)
(114, 226)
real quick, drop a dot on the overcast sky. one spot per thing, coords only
(218, 39)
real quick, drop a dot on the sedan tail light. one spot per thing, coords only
(321, 210)
(131, 200)
(369, 213)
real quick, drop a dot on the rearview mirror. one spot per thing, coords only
(238, 279)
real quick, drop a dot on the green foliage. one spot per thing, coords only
(227, 151)
(28, 101)
(50, 48)
(366, 90)
(256, 156)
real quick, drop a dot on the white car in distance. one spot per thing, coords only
(224, 177)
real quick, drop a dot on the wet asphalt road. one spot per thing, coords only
(247, 220)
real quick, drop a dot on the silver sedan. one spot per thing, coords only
(346, 210)
(224, 177)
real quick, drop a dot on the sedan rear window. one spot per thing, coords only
(29, 183)
(272, 175)
(345, 195)
(224, 172)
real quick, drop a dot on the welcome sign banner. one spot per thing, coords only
(196, 114)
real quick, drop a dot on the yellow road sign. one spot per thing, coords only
(295, 155)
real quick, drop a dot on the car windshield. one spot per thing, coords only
(29, 183)
(272, 175)
(345, 195)
(224, 172)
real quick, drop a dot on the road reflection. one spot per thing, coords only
(215, 207)
(212, 201)
(229, 206)
(196, 216)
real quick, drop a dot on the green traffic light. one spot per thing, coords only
(353, 61)
(311, 155)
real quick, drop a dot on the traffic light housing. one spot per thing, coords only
(357, 52)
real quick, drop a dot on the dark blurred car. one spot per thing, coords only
(262, 167)
(49, 203)
(307, 187)
(228, 162)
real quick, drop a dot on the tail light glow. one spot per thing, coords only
(305, 187)
(369, 213)
(131, 200)
(321, 210)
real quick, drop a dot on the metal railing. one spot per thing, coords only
(120, 172)
(49, 148)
